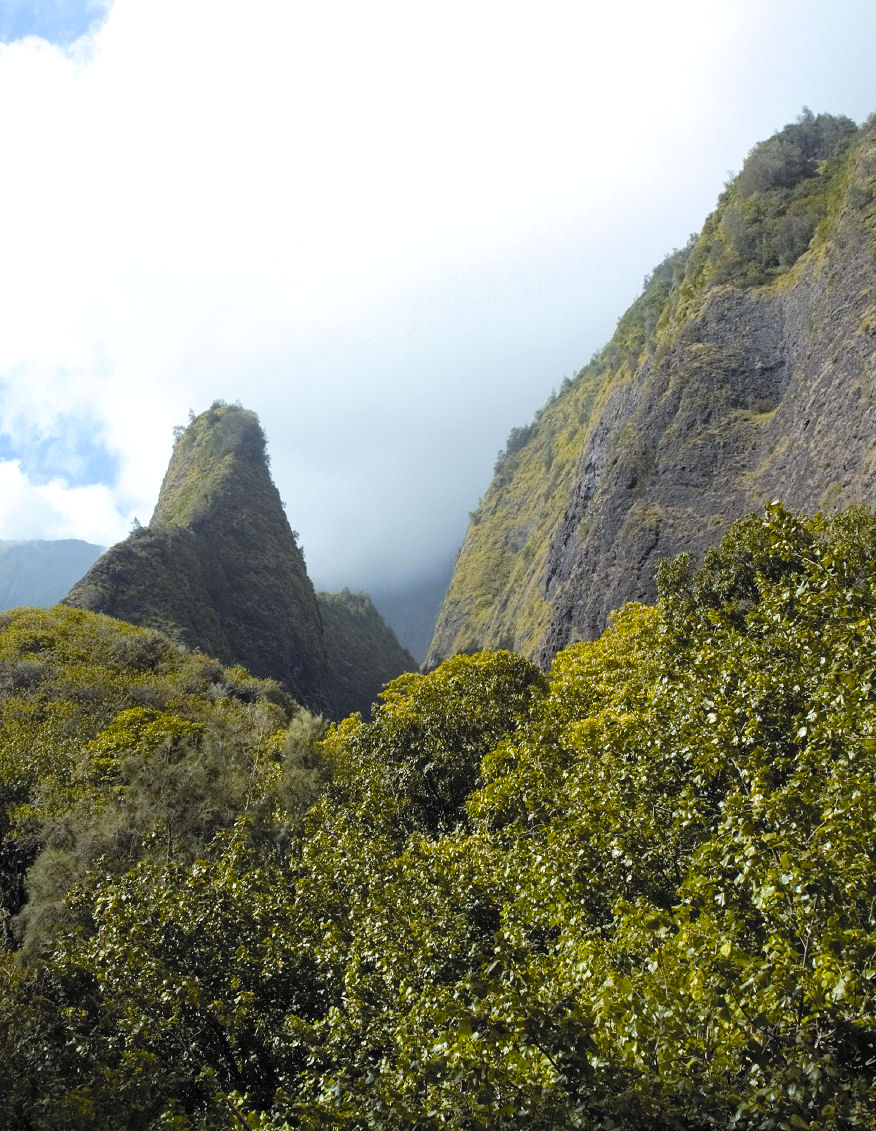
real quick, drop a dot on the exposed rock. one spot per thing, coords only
(735, 394)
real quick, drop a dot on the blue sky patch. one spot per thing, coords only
(73, 454)
(58, 21)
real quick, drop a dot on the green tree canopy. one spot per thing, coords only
(639, 892)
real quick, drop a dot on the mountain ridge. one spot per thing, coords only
(39, 571)
(743, 372)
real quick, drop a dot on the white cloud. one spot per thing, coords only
(390, 228)
(54, 509)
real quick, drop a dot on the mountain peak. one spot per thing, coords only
(219, 569)
(209, 457)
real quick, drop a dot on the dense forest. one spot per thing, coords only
(637, 891)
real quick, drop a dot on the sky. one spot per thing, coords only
(390, 228)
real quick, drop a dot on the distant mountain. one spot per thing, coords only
(40, 572)
(219, 569)
(745, 371)
(363, 651)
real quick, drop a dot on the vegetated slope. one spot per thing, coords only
(118, 744)
(361, 648)
(745, 371)
(36, 572)
(219, 568)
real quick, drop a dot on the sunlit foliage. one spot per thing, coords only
(638, 893)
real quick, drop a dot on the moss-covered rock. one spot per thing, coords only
(219, 569)
(744, 372)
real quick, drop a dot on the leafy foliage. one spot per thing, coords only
(639, 893)
(770, 212)
(118, 744)
(793, 153)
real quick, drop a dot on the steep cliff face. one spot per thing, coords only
(744, 372)
(218, 568)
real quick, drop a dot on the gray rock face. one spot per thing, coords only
(752, 393)
(765, 396)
